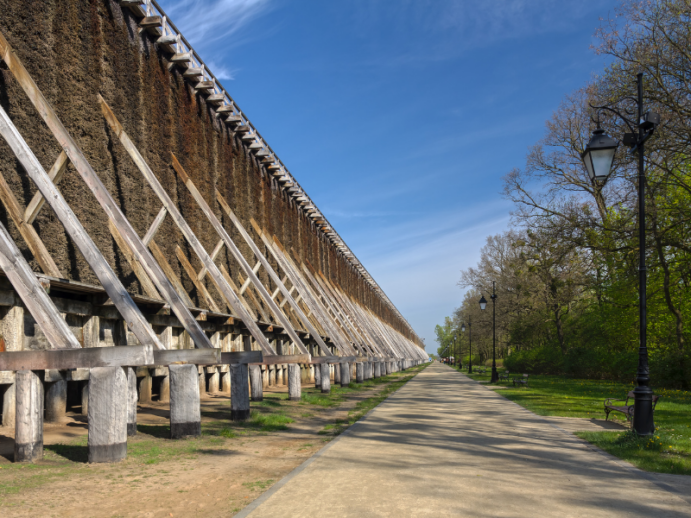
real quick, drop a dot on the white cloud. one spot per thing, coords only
(204, 22)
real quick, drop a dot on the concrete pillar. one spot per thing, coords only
(145, 385)
(257, 383)
(28, 439)
(377, 369)
(214, 379)
(55, 401)
(317, 375)
(225, 382)
(312, 373)
(164, 391)
(9, 399)
(108, 389)
(185, 407)
(294, 382)
(359, 372)
(239, 392)
(269, 374)
(325, 378)
(345, 374)
(337, 373)
(131, 374)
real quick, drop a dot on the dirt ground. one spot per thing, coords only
(214, 475)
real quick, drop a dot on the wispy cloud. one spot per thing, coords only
(207, 21)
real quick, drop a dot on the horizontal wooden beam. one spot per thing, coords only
(188, 356)
(241, 357)
(89, 358)
(280, 359)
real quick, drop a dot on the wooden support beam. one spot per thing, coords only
(34, 296)
(89, 358)
(189, 269)
(248, 280)
(150, 22)
(28, 233)
(106, 201)
(170, 273)
(116, 291)
(188, 356)
(235, 252)
(214, 253)
(280, 359)
(139, 272)
(234, 358)
(55, 174)
(155, 226)
(184, 227)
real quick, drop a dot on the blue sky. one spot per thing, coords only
(400, 118)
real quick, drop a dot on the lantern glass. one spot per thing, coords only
(483, 303)
(599, 155)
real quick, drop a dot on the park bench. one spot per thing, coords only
(626, 409)
(521, 381)
(504, 376)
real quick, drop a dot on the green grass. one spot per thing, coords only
(668, 451)
(259, 484)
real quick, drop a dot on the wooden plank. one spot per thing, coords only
(234, 287)
(280, 359)
(235, 252)
(151, 22)
(89, 358)
(217, 249)
(241, 357)
(116, 291)
(189, 269)
(170, 273)
(36, 246)
(55, 174)
(248, 280)
(155, 225)
(325, 359)
(182, 57)
(92, 180)
(265, 317)
(184, 227)
(34, 296)
(188, 356)
(147, 285)
(205, 85)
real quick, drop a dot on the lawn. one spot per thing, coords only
(668, 451)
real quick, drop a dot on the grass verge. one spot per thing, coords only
(668, 451)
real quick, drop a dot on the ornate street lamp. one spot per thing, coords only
(470, 345)
(483, 305)
(598, 157)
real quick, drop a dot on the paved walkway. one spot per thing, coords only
(444, 445)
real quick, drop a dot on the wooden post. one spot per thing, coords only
(85, 397)
(55, 401)
(185, 407)
(164, 391)
(132, 399)
(337, 373)
(325, 378)
(359, 372)
(145, 387)
(317, 375)
(108, 404)
(225, 382)
(214, 378)
(28, 439)
(201, 381)
(257, 383)
(9, 399)
(294, 382)
(345, 374)
(239, 392)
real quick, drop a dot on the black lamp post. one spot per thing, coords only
(470, 346)
(598, 157)
(454, 349)
(483, 305)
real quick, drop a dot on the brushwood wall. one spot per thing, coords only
(77, 49)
